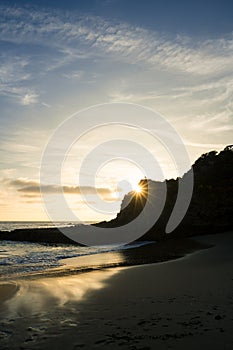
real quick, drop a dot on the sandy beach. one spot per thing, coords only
(116, 175)
(178, 304)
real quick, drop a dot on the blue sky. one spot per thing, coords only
(58, 57)
(204, 18)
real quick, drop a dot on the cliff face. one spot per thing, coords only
(212, 200)
(211, 207)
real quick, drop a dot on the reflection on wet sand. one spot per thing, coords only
(95, 260)
(7, 290)
(41, 295)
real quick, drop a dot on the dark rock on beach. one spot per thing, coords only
(47, 235)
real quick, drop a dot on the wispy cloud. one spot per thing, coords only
(212, 146)
(33, 188)
(18, 147)
(29, 98)
(122, 41)
(12, 69)
(77, 75)
(13, 73)
(65, 39)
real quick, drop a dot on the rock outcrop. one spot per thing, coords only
(211, 207)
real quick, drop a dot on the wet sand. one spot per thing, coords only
(7, 291)
(179, 304)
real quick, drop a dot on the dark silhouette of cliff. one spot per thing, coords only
(211, 207)
(131, 206)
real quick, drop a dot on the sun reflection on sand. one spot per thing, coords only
(41, 295)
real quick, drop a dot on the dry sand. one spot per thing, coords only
(186, 303)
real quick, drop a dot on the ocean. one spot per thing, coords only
(13, 225)
(19, 259)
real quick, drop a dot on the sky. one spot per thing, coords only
(61, 57)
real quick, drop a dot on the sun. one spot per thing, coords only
(137, 188)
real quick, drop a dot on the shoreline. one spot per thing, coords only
(166, 250)
(177, 304)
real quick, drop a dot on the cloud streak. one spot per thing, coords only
(122, 41)
(204, 67)
(33, 188)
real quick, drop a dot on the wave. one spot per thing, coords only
(20, 258)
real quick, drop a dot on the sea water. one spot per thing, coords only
(22, 258)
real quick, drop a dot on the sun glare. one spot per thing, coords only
(137, 188)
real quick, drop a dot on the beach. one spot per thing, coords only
(178, 304)
(116, 175)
